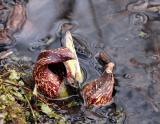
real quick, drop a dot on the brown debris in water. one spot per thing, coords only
(14, 22)
(17, 18)
(4, 39)
(104, 57)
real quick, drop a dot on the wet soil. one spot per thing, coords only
(131, 38)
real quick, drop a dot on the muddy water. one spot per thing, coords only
(131, 38)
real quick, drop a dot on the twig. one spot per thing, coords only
(11, 83)
(31, 109)
(4, 74)
(25, 88)
(39, 97)
(5, 54)
(16, 85)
